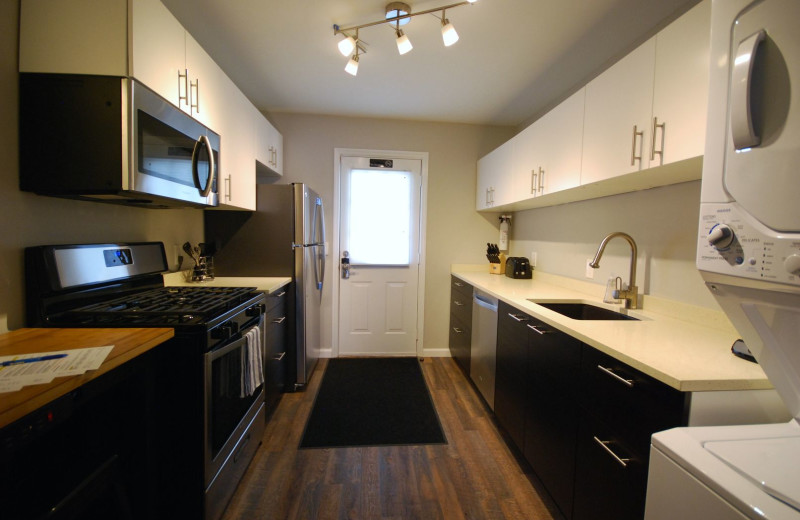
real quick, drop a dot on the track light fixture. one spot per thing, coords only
(397, 14)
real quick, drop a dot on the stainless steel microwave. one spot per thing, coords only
(112, 139)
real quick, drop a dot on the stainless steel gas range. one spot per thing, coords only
(210, 379)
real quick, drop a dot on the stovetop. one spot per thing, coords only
(163, 306)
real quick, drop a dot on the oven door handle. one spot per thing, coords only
(221, 351)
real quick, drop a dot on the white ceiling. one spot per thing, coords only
(515, 59)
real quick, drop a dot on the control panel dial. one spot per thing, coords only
(721, 236)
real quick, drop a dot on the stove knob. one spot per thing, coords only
(256, 309)
(721, 236)
(224, 331)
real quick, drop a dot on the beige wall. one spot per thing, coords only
(662, 221)
(455, 232)
(27, 219)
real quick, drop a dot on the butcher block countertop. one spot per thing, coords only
(128, 343)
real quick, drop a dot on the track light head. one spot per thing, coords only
(403, 43)
(449, 34)
(352, 65)
(346, 45)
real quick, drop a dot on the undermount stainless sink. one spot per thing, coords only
(583, 311)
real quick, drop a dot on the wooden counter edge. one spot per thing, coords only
(63, 385)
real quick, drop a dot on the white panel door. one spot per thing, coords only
(379, 232)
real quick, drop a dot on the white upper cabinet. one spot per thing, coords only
(680, 94)
(527, 162)
(617, 117)
(269, 146)
(562, 137)
(237, 164)
(648, 110)
(158, 52)
(494, 178)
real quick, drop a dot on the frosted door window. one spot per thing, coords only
(380, 217)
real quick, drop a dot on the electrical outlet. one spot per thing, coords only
(589, 270)
(533, 258)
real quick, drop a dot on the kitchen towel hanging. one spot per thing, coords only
(252, 363)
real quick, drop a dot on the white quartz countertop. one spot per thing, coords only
(268, 284)
(684, 346)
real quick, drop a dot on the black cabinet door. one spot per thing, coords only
(275, 361)
(510, 393)
(551, 419)
(610, 477)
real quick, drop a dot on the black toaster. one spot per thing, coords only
(518, 267)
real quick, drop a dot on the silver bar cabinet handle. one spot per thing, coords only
(533, 182)
(538, 330)
(626, 382)
(541, 180)
(457, 330)
(604, 445)
(458, 303)
(195, 100)
(653, 151)
(185, 96)
(635, 157)
(279, 320)
(228, 188)
(458, 284)
(279, 357)
(517, 317)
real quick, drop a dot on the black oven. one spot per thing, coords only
(208, 380)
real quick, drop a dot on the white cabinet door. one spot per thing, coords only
(617, 117)
(158, 56)
(269, 145)
(207, 90)
(681, 87)
(237, 153)
(527, 163)
(495, 180)
(561, 139)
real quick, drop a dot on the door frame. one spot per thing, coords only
(338, 153)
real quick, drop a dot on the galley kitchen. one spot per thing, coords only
(484, 259)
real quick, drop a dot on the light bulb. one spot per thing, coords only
(449, 34)
(352, 66)
(403, 43)
(346, 45)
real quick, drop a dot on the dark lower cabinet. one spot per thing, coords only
(460, 322)
(582, 419)
(610, 477)
(551, 419)
(510, 389)
(275, 360)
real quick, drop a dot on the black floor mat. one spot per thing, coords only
(372, 402)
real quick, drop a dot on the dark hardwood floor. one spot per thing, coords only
(475, 476)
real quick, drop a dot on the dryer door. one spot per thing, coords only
(763, 143)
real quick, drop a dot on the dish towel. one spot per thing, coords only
(252, 363)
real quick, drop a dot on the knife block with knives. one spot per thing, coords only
(497, 260)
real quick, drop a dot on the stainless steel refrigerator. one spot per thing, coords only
(285, 236)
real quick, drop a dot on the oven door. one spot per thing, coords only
(230, 405)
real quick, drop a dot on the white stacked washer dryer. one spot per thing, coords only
(749, 255)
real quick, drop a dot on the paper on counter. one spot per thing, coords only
(77, 362)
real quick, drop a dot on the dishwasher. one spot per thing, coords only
(483, 351)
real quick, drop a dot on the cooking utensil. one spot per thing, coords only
(187, 248)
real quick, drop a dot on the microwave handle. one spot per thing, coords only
(203, 141)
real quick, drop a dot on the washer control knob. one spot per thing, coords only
(792, 264)
(721, 236)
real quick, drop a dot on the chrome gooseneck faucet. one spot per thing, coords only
(631, 294)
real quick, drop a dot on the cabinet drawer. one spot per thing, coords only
(461, 306)
(277, 301)
(628, 399)
(554, 359)
(460, 342)
(461, 287)
(610, 476)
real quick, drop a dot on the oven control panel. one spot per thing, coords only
(236, 322)
(732, 242)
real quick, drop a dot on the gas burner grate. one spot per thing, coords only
(168, 306)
